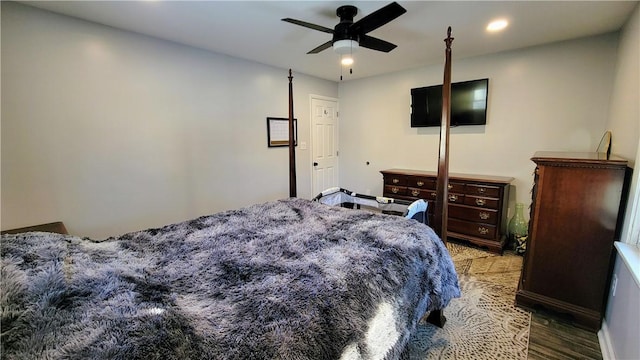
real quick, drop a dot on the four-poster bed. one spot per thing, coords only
(292, 145)
(287, 279)
(441, 207)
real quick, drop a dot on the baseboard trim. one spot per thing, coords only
(606, 347)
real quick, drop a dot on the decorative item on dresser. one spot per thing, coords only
(576, 215)
(477, 203)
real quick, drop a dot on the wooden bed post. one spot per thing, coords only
(292, 145)
(437, 317)
(442, 187)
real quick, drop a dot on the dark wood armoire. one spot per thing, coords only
(576, 215)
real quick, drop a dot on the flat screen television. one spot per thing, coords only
(468, 104)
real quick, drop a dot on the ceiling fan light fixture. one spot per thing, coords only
(347, 60)
(345, 46)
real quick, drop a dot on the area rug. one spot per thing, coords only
(483, 323)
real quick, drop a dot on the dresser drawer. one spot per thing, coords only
(419, 182)
(452, 198)
(456, 187)
(468, 213)
(431, 184)
(484, 231)
(395, 190)
(455, 198)
(395, 180)
(483, 202)
(419, 193)
(482, 190)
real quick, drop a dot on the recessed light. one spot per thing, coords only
(497, 25)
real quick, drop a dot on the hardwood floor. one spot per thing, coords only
(553, 337)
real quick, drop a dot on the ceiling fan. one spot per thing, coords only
(347, 35)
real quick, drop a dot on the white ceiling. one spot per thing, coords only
(253, 30)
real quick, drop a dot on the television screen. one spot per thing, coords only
(468, 104)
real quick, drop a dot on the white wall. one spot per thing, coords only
(111, 131)
(621, 326)
(624, 116)
(553, 97)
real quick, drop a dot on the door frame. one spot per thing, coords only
(312, 139)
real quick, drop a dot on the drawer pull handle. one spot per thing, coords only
(395, 181)
(449, 186)
(483, 230)
(395, 190)
(480, 202)
(453, 197)
(484, 215)
(415, 192)
(482, 190)
(433, 194)
(420, 183)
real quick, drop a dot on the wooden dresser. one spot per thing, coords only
(576, 214)
(477, 203)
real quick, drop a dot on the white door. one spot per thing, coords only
(324, 139)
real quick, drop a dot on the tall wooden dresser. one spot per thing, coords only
(477, 203)
(576, 215)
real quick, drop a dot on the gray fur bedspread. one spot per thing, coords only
(289, 279)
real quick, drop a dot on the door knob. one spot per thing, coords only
(315, 163)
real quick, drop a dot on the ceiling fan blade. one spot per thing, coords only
(377, 18)
(376, 44)
(309, 25)
(321, 47)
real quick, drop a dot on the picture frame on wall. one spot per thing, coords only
(278, 132)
